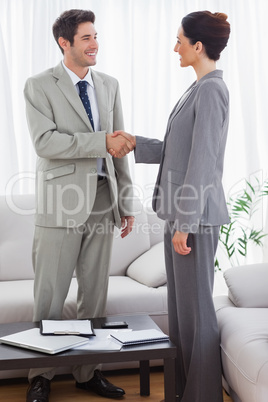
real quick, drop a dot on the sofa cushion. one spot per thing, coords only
(126, 296)
(17, 228)
(157, 226)
(247, 285)
(149, 269)
(132, 246)
(16, 301)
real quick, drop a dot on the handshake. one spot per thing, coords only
(120, 143)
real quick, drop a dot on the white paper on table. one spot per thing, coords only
(102, 341)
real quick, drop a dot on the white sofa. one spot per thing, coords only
(137, 283)
(243, 323)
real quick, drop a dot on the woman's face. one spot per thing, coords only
(186, 51)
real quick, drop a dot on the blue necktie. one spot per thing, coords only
(85, 100)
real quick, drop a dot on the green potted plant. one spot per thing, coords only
(245, 207)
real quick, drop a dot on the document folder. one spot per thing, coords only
(66, 327)
(141, 336)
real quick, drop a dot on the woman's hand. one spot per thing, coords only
(180, 243)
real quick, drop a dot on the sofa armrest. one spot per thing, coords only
(149, 268)
(221, 302)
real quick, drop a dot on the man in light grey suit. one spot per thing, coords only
(81, 191)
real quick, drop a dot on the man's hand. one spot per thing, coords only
(180, 243)
(126, 225)
(118, 146)
(131, 139)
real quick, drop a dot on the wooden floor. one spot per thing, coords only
(63, 388)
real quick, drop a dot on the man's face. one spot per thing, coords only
(84, 50)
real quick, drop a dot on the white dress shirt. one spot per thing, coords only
(93, 104)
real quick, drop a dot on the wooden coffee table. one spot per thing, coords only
(13, 358)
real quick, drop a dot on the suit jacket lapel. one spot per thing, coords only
(65, 84)
(102, 99)
(181, 103)
(190, 90)
(174, 112)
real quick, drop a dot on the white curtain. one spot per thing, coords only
(9, 154)
(136, 40)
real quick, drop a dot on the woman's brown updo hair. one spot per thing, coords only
(213, 30)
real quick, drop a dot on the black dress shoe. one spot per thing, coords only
(101, 386)
(38, 390)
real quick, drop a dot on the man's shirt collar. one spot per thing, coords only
(75, 79)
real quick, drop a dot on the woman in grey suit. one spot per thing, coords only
(189, 196)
